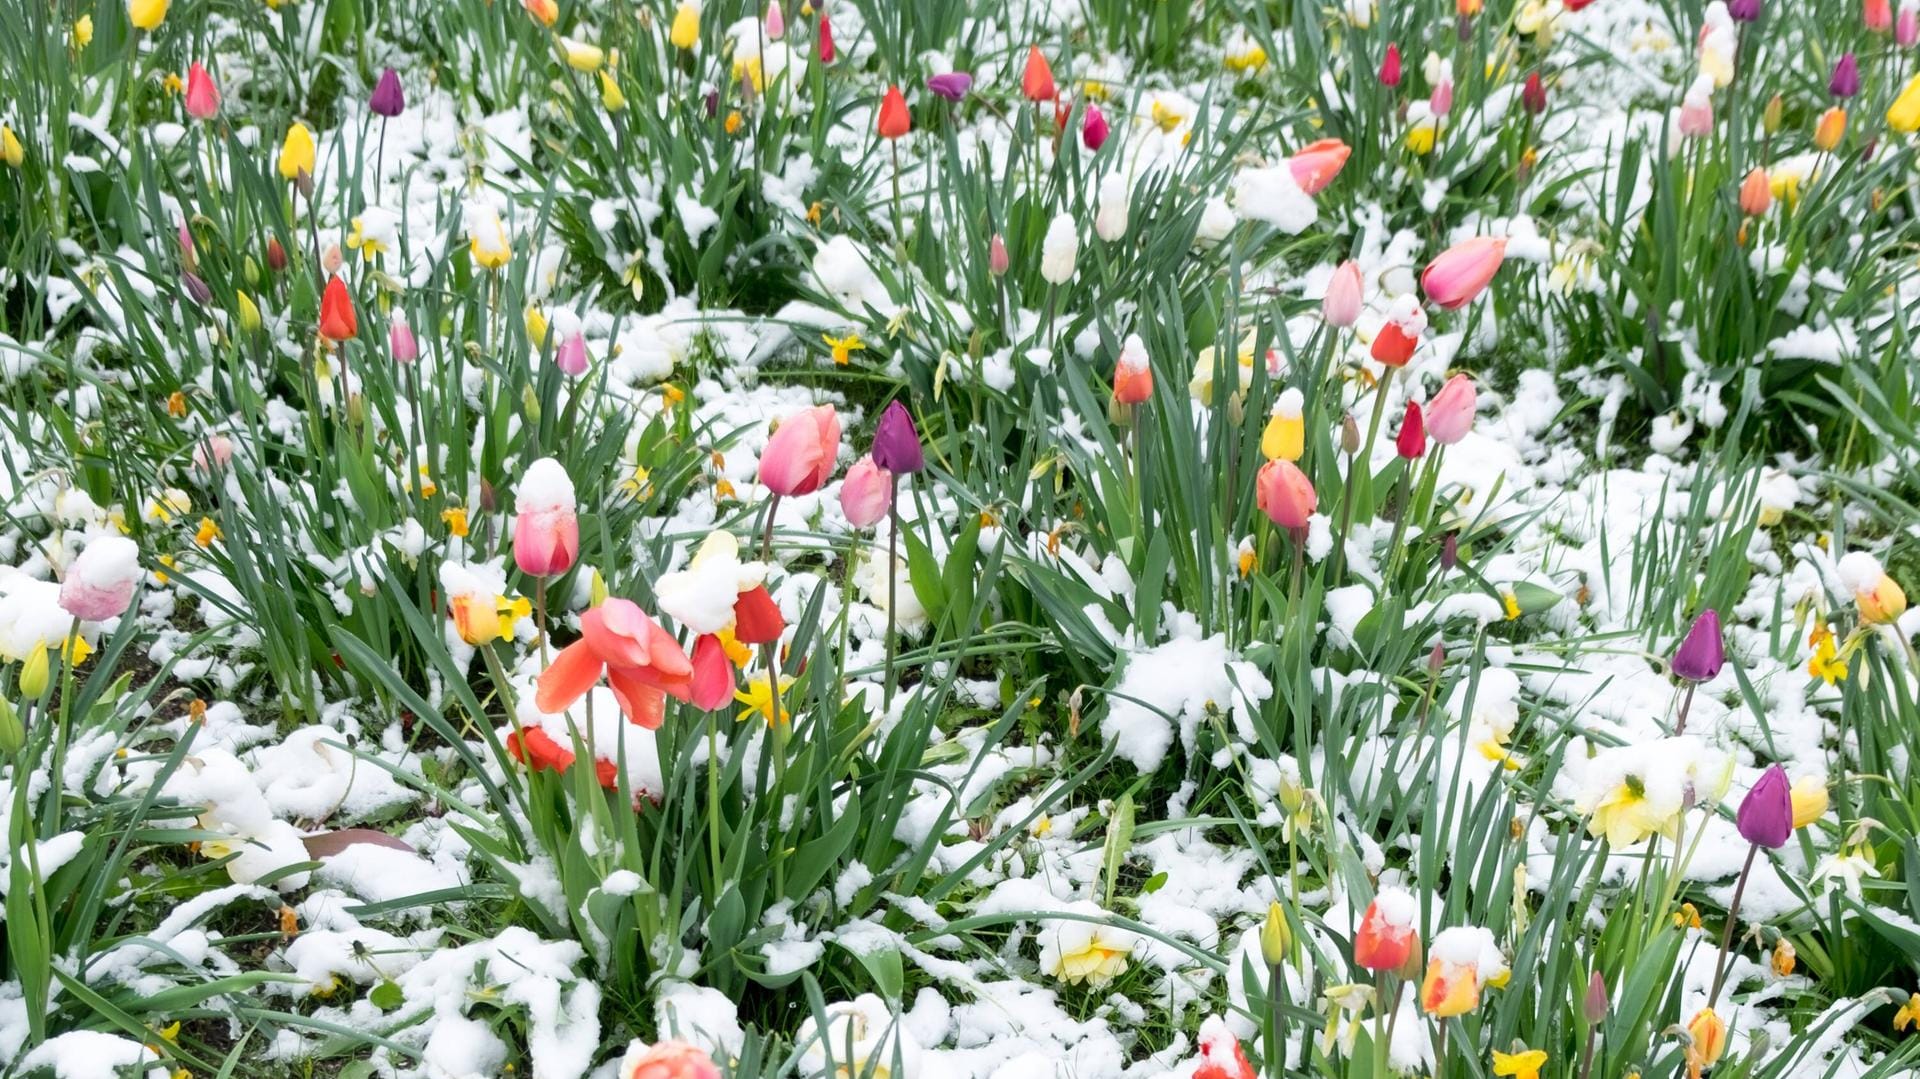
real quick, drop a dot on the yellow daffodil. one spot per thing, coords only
(169, 504)
(1525, 1064)
(843, 347)
(1687, 917)
(83, 31)
(1626, 817)
(758, 698)
(208, 532)
(1908, 1015)
(1826, 663)
(147, 14)
(296, 152)
(456, 521)
(1164, 116)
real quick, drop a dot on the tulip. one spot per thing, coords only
(296, 152)
(545, 12)
(99, 584)
(572, 355)
(1346, 292)
(1220, 1054)
(1593, 1006)
(487, 238)
(799, 457)
(1411, 442)
(1845, 81)
(1882, 604)
(1877, 15)
(1059, 250)
(1093, 128)
(1285, 436)
(1904, 114)
(1756, 193)
(1832, 126)
(1701, 654)
(216, 452)
(1808, 797)
(826, 39)
(197, 289)
(337, 319)
(1744, 10)
(1706, 1040)
(1449, 988)
(953, 85)
(1906, 26)
(276, 255)
(866, 494)
(1132, 373)
(667, 1060)
(1315, 165)
(1533, 94)
(1440, 102)
(388, 99)
(1036, 82)
(684, 34)
(896, 444)
(894, 120)
(147, 14)
(1393, 345)
(1462, 271)
(1390, 67)
(1276, 937)
(774, 24)
(1696, 113)
(998, 260)
(712, 684)
(1386, 940)
(400, 340)
(642, 663)
(546, 530)
(1449, 415)
(203, 97)
(1765, 818)
(756, 618)
(1285, 494)
(11, 151)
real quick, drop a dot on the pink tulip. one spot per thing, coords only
(99, 584)
(1906, 27)
(1346, 292)
(1285, 494)
(1316, 164)
(800, 455)
(214, 451)
(775, 23)
(1441, 100)
(572, 357)
(203, 97)
(712, 674)
(546, 530)
(668, 1060)
(642, 663)
(400, 340)
(1093, 128)
(866, 494)
(1450, 413)
(1877, 15)
(1462, 271)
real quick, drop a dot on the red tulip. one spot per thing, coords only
(1037, 81)
(895, 121)
(337, 320)
(1390, 67)
(712, 686)
(756, 618)
(1385, 939)
(1394, 346)
(826, 39)
(643, 664)
(1412, 440)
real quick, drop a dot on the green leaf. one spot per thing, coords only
(1119, 841)
(387, 996)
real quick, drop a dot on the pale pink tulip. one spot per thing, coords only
(99, 584)
(800, 455)
(1462, 271)
(1450, 414)
(546, 529)
(1316, 164)
(775, 24)
(1346, 292)
(400, 340)
(866, 493)
(572, 357)
(214, 451)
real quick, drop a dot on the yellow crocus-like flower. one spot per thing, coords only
(296, 152)
(758, 698)
(1904, 114)
(1525, 1064)
(843, 347)
(147, 14)
(11, 151)
(685, 33)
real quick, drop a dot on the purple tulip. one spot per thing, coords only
(953, 85)
(388, 99)
(1700, 657)
(896, 445)
(1744, 10)
(1766, 813)
(1846, 78)
(196, 288)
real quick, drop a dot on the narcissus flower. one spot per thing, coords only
(866, 493)
(1449, 414)
(337, 319)
(843, 347)
(296, 152)
(1463, 271)
(643, 664)
(894, 120)
(1315, 165)
(1133, 373)
(1703, 652)
(147, 14)
(546, 530)
(1386, 939)
(1285, 494)
(1525, 1064)
(800, 455)
(1036, 82)
(1079, 952)
(203, 97)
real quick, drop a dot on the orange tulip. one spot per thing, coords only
(1316, 164)
(642, 662)
(1037, 81)
(1756, 193)
(895, 121)
(1450, 988)
(1394, 346)
(337, 320)
(1385, 939)
(1285, 494)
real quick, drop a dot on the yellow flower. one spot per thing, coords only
(843, 347)
(1904, 114)
(1165, 117)
(1250, 58)
(1784, 957)
(610, 96)
(358, 240)
(1449, 989)
(1829, 128)
(1522, 1065)
(208, 532)
(1882, 603)
(296, 152)
(1707, 1034)
(758, 698)
(83, 31)
(1687, 917)
(1285, 436)
(1826, 663)
(171, 84)
(249, 313)
(1625, 816)
(737, 653)
(11, 151)
(536, 320)
(34, 672)
(487, 240)
(749, 70)
(170, 503)
(543, 11)
(1511, 603)
(581, 55)
(1908, 1015)
(1420, 137)
(734, 120)
(1809, 798)
(456, 520)
(146, 14)
(686, 25)
(1078, 952)
(480, 619)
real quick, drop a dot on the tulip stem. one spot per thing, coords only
(770, 656)
(540, 616)
(1686, 702)
(893, 582)
(713, 797)
(1379, 1022)
(1726, 935)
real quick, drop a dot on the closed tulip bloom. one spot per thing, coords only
(1707, 1039)
(1463, 271)
(1756, 193)
(667, 1060)
(800, 455)
(147, 14)
(203, 97)
(1701, 655)
(1449, 415)
(400, 340)
(546, 528)
(1904, 114)
(216, 452)
(1449, 988)
(1809, 799)
(896, 443)
(337, 319)
(1346, 294)
(1845, 81)
(1285, 436)
(1115, 207)
(1285, 494)
(712, 684)
(1386, 939)
(1765, 818)
(1133, 373)
(1906, 26)
(1744, 10)
(1094, 128)
(1876, 595)
(1315, 165)
(684, 34)
(11, 151)
(1696, 110)
(825, 39)
(952, 85)
(296, 152)
(1593, 1006)
(866, 493)
(894, 120)
(1832, 126)
(1036, 82)
(1393, 345)
(1060, 250)
(1440, 102)
(99, 584)
(1411, 442)
(1533, 94)
(774, 24)
(1390, 67)
(388, 99)
(998, 260)
(571, 358)
(1877, 15)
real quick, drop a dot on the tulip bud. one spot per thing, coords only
(1765, 817)
(997, 260)
(1411, 443)
(1756, 193)
(1276, 937)
(1390, 68)
(1349, 435)
(12, 734)
(1345, 296)
(1094, 128)
(14, 154)
(1830, 128)
(1533, 95)
(33, 673)
(1772, 114)
(276, 255)
(1845, 80)
(1906, 26)
(1450, 550)
(1594, 1005)
(1809, 800)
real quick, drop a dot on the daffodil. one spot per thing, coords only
(1525, 1064)
(1908, 1015)
(1084, 952)
(1826, 663)
(843, 347)
(1626, 816)
(83, 31)
(456, 520)
(758, 698)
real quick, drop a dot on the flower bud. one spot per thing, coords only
(33, 673)
(12, 734)
(1594, 1005)
(1276, 937)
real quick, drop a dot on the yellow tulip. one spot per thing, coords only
(1883, 603)
(1809, 798)
(33, 673)
(11, 151)
(1828, 130)
(610, 96)
(1708, 1034)
(296, 152)
(582, 56)
(1904, 114)
(147, 14)
(686, 26)
(249, 314)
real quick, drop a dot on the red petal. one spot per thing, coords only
(643, 704)
(568, 678)
(712, 674)
(756, 618)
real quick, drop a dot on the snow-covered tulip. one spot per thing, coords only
(202, 97)
(1059, 250)
(1696, 110)
(1386, 939)
(1809, 799)
(1903, 115)
(401, 342)
(1463, 271)
(1393, 346)
(1765, 818)
(1452, 983)
(1315, 165)
(1285, 494)
(1845, 80)
(1132, 373)
(571, 356)
(952, 85)
(99, 584)
(1346, 293)
(1411, 442)
(1390, 67)
(800, 455)
(896, 442)
(1036, 82)
(642, 663)
(1220, 1054)
(487, 238)
(388, 99)
(1285, 436)
(866, 493)
(1701, 655)
(894, 120)
(1878, 597)
(1756, 193)
(1449, 415)
(667, 1060)
(337, 319)
(546, 529)
(296, 152)
(1094, 128)
(1115, 204)
(1440, 101)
